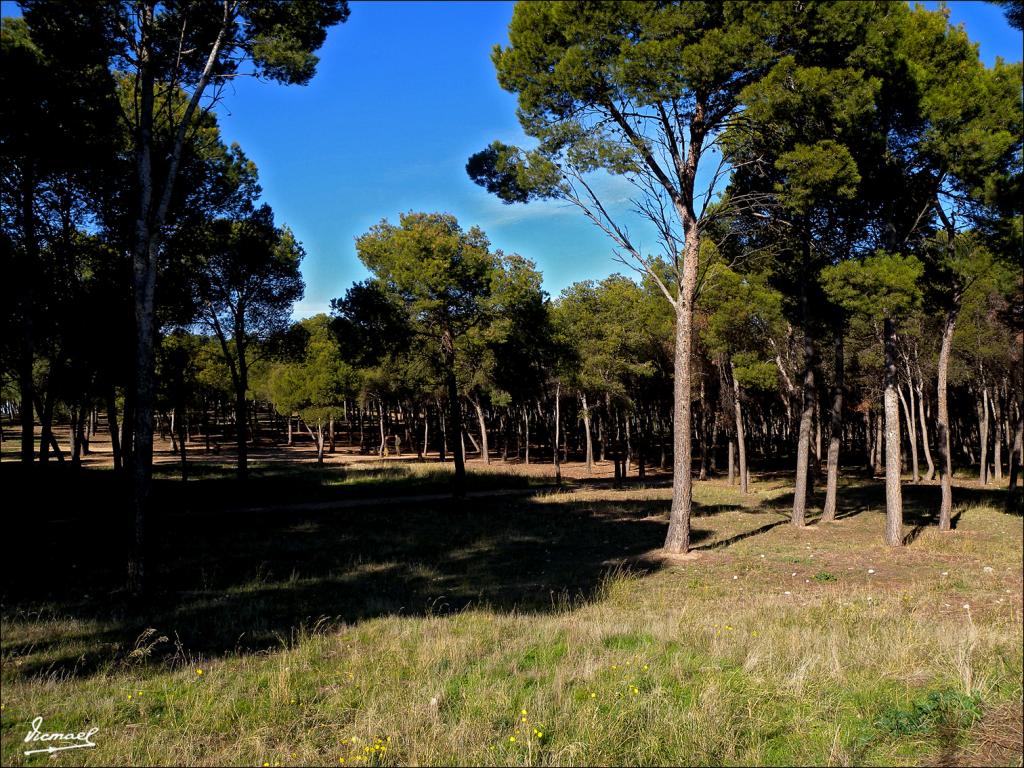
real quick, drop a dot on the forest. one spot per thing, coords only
(833, 304)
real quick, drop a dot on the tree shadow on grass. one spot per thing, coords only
(222, 582)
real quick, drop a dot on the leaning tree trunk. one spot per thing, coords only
(485, 450)
(908, 415)
(893, 491)
(586, 433)
(677, 540)
(835, 433)
(924, 434)
(942, 442)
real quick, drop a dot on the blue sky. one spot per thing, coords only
(404, 94)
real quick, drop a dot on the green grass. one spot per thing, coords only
(527, 631)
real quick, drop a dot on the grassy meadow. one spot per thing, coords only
(292, 623)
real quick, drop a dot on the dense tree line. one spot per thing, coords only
(835, 186)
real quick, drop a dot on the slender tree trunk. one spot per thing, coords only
(485, 450)
(908, 415)
(732, 461)
(893, 491)
(704, 436)
(526, 440)
(181, 443)
(997, 437)
(586, 433)
(76, 445)
(879, 468)
(869, 442)
(84, 428)
(835, 432)
(803, 449)
(241, 408)
(942, 441)
(677, 540)
(319, 440)
(558, 427)
(455, 412)
(816, 467)
(26, 288)
(442, 449)
(741, 437)
(1017, 453)
(629, 445)
(383, 450)
(924, 435)
(426, 433)
(983, 435)
(46, 424)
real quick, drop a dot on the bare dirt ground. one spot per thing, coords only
(303, 451)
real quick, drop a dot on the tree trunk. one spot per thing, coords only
(383, 450)
(924, 435)
(732, 461)
(629, 446)
(908, 415)
(983, 435)
(115, 443)
(26, 383)
(181, 444)
(803, 449)
(677, 540)
(741, 438)
(586, 433)
(46, 421)
(318, 440)
(426, 432)
(997, 437)
(835, 432)
(526, 439)
(485, 450)
(1017, 453)
(558, 426)
(73, 434)
(942, 442)
(879, 454)
(893, 491)
(241, 409)
(455, 412)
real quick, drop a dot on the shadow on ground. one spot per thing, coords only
(225, 582)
